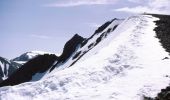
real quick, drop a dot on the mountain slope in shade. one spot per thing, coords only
(28, 56)
(67, 57)
(69, 49)
(35, 66)
(7, 68)
(127, 63)
(38, 66)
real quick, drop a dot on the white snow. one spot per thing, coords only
(20, 62)
(91, 41)
(4, 66)
(128, 66)
(43, 52)
(31, 55)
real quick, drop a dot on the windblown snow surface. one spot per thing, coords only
(128, 65)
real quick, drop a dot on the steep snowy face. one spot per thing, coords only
(73, 50)
(126, 65)
(69, 49)
(86, 45)
(27, 56)
(100, 34)
(7, 68)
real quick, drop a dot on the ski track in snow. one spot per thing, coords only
(128, 67)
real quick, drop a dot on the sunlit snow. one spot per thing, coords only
(128, 65)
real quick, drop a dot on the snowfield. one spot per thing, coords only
(129, 64)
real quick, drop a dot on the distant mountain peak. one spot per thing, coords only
(39, 52)
(28, 55)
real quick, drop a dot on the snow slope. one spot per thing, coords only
(127, 65)
(91, 42)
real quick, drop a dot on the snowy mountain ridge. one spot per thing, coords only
(125, 61)
(88, 44)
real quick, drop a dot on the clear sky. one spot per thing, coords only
(46, 25)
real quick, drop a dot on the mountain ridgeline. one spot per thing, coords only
(42, 63)
(120, 56)
(39, 65)
(70, 47)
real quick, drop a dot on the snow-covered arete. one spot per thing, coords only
(128, 65)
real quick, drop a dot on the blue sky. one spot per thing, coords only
(46, 25)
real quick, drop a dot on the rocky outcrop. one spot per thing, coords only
(69, 48)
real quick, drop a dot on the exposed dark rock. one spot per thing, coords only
(84, 42)
(91, 45)
(148, 98)
(163, 34)
(38, 64)
(101, 28)
(164, 94)
(69, 48)
(98, 40)
(109, 30)
(42, 63)
(163, 30)
(165, 58)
